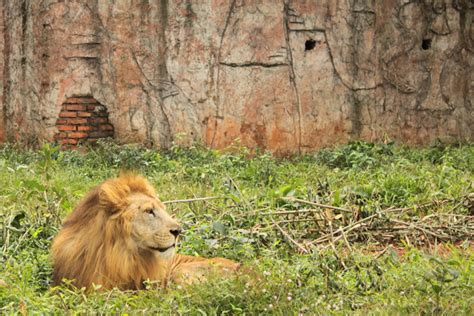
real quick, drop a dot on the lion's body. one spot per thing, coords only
(102, 242)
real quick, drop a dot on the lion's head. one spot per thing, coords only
(151, 228)
(118, 235)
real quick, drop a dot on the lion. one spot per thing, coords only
(120, 235)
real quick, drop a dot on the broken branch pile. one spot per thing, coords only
(420, 225)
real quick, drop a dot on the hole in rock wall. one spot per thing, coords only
(426, 44)
(309, 44)
(82, 120)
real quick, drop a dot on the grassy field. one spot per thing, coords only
(398, 269)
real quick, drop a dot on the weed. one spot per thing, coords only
(38, 188)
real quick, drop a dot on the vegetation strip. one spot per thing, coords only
(376, 259)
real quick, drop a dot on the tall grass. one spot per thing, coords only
(39, 187)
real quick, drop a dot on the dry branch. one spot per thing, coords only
(331, 207)
(303, 249)
(384, 226)
(290, 212)
(194, 200)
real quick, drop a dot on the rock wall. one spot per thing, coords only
(285, 76)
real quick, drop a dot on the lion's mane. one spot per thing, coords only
(94, 245)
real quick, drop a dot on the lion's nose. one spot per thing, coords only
(175, 232)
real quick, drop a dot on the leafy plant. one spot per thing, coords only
(39, 187)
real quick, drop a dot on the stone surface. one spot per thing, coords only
(3, 75)
(286, 76)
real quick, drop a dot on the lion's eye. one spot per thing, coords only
(150, 211)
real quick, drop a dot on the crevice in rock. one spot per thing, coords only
(356, 115)
(286, 27)
(86, 44)
(219, 56)
(364, 11)
(167, 125)
(309, 45)
(87, 58)
(24, 26)
(345, 84)
(162, 36)
(6, 66)
(254, 64)
(426, 43)
(307, 30)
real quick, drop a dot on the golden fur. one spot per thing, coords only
(120, 235)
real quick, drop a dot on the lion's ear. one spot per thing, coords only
(113, 193)
(113, 196)
(137, 183)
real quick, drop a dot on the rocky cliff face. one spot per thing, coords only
(286, 76)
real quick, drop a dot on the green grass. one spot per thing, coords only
(38, 188)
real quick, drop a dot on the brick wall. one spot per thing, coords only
(82, 120)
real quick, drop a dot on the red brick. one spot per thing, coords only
(99, 120)
(91, 107)
(68, 121)
(78, 135)
(66, 128)
(68, 141)
(77, 121)
(60, 135)
(84, 114)
(75, 107)
(106, 127)
(67, 114)
(86, 128)
(80, 100)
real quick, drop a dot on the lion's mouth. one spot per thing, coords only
(162, 249)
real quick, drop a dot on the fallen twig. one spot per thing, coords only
(384, 226)
(194, 200)
(381, 253)
(428, 204)
(290, 238)
(299, 220)
(427, 231)
(346, 240)
(346, 229)
(290, 212)
(333, 246)
(331, 207)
